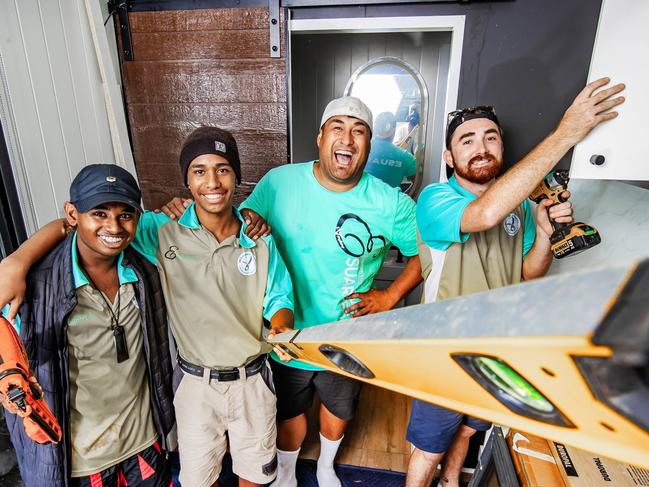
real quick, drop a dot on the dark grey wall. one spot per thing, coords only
(322, 64)
(528, 58)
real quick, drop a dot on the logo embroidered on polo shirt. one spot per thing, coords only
(247, 264)
(512, 224)
(171, 253)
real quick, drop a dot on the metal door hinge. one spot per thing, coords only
(121, 8)
(273, 27)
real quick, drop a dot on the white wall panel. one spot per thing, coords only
(54, 100)
(620, 53)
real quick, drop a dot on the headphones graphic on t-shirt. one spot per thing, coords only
(351, 243)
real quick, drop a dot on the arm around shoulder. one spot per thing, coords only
(589, 108)
(14, 268)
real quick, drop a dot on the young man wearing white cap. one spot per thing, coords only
(333, 224)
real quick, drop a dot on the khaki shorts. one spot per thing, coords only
(207, 409)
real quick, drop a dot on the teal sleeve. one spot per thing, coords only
(529, 234)
(4, 312)
(439, 215)
(410, 165)
(279, 288)
(404, 231)
(259, 199)
(146, 238)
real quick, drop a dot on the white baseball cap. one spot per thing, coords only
(349, 106)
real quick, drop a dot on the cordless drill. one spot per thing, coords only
(567, 238)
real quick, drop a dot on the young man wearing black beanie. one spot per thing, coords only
(219, 285)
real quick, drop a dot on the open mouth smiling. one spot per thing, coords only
(112, 240)
(343, 157)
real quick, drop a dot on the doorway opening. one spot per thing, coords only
(413, 61)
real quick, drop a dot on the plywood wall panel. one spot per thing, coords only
(231, 81)
(204, 67)
(199, 20)
(177, 120)
(163, 46)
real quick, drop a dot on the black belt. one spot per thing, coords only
(223, 375)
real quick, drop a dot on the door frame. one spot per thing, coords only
(368, 25)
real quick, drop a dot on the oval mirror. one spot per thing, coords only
(397, 95)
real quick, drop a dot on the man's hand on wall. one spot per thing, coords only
(589, 109)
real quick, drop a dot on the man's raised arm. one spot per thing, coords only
(589, 109)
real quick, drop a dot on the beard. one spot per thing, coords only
(480, 175)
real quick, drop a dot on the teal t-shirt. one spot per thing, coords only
(390, 163)
(332, 243)
(439, 212)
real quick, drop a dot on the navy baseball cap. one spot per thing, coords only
(98, 184)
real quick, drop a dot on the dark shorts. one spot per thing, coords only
(432, 428)
(296, 387)
(149, 468)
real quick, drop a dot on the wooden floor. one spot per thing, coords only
(375, 438)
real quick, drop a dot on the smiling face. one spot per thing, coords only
(343, 146)
(211, 181)
(476, 151)
(104, 231)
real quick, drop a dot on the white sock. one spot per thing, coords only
(286, 461)
(325, 473)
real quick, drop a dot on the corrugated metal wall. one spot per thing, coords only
(51, 101)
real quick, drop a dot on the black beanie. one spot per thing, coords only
(210, 140)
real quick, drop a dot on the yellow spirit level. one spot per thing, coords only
(565, 357)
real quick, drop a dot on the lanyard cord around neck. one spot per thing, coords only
(118, 330)
(115, 320)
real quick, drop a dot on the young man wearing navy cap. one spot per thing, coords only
(219, 285)
(94, 326)
(478, 233)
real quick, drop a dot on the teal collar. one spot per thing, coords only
(463, 191)
(189, 219)
(124, 274)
